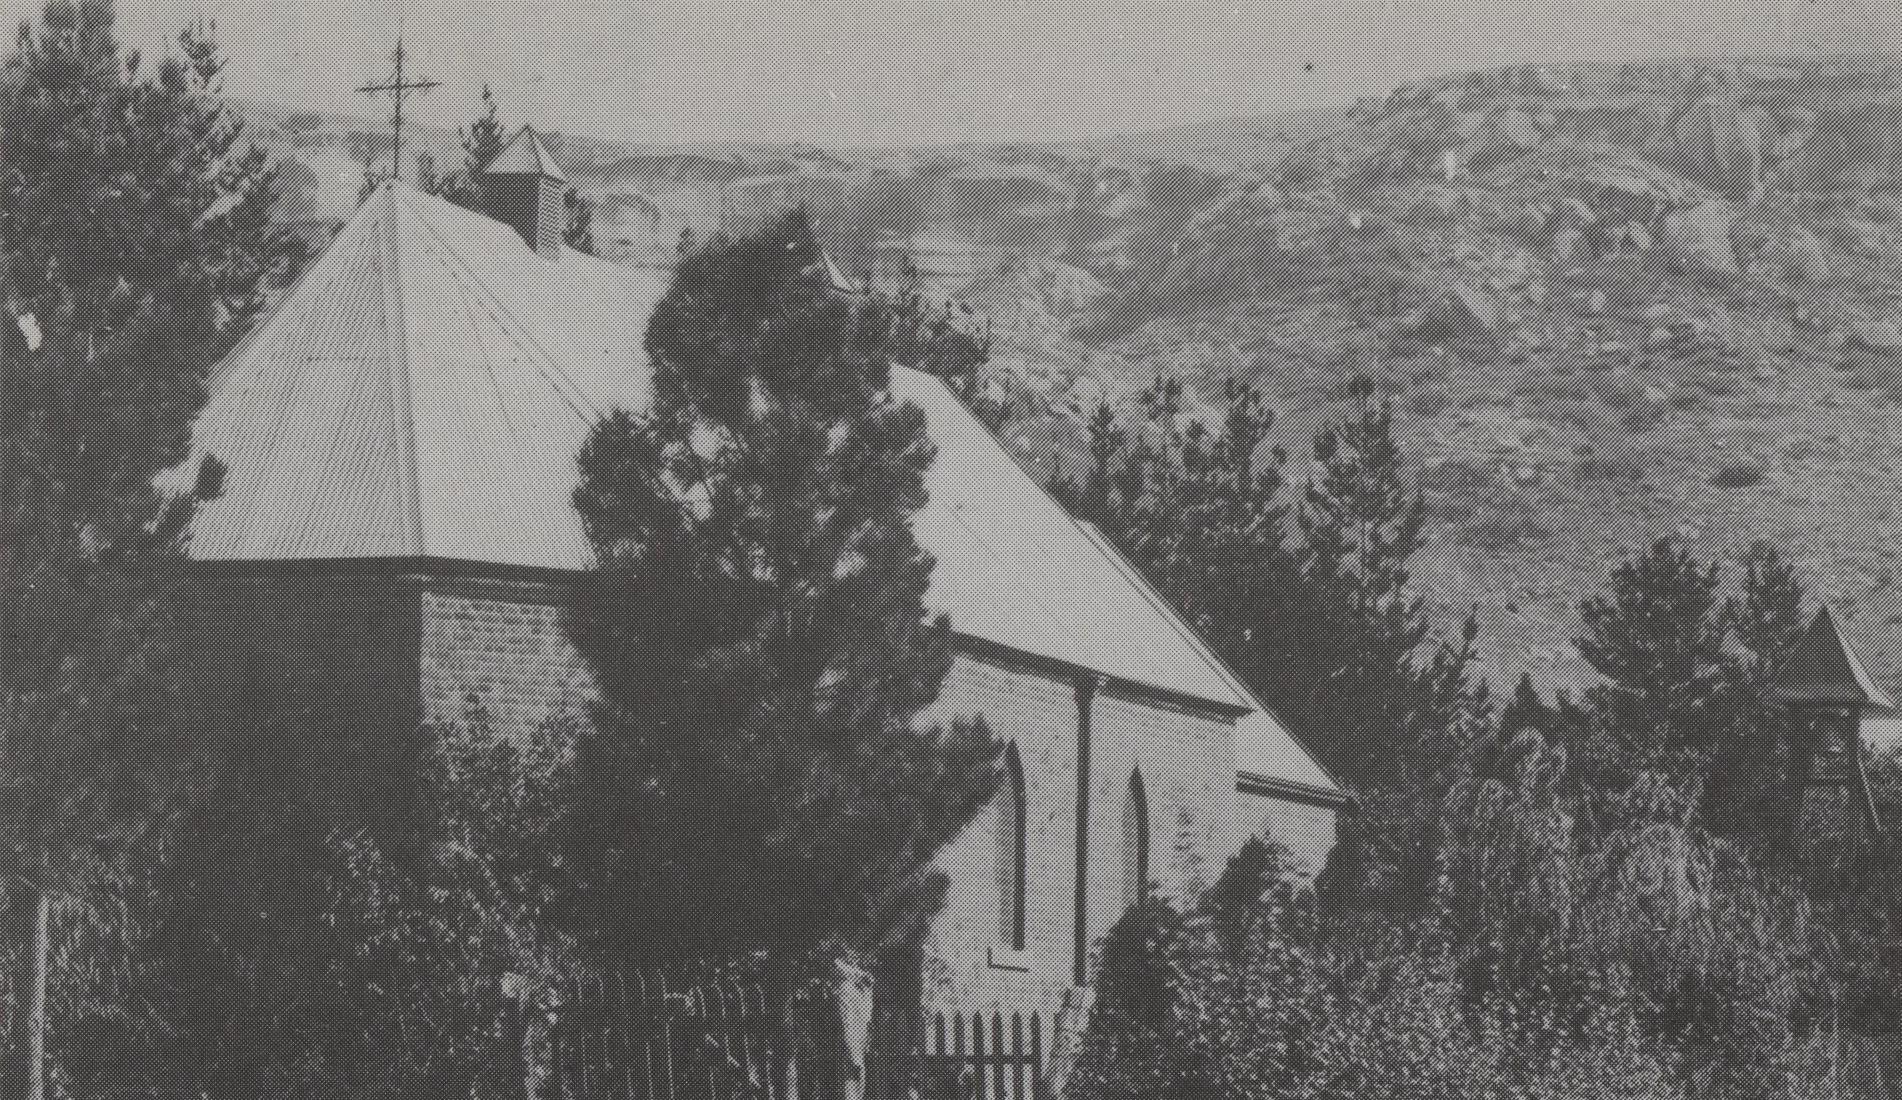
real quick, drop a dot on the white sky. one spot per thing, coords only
(854, 72)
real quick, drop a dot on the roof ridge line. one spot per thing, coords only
(402, 399)
(571, 392)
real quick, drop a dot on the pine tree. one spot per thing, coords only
(1769, 615)
(1360, 523)
(578, 233)
(136, 246)
(1240, 894)
(752, 781)
(1746, 791)
(1310, 602)
(1200, 511)
(1256, 981)
(482, 142)
(1658, 639)
(1688, 684)
(357, 957)
(1526, 710)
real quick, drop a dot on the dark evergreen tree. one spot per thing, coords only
(1376, 665)
(1746, 795)
(1241, 893)
(1688, 689)
(1257, 983)
(1658, 639)
(1769, 615)
(357, 957)
(753, 783)
(136, 246)
(1526, 710)
(1360, 522)
(1312, 604)
(484, 138)
(1141, 1040)
(942, 340)
(578, 233)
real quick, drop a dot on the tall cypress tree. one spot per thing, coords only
(753, 782)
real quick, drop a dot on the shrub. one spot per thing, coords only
(1738, 475)
(1140, 1043)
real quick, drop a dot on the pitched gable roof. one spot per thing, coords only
(424, 389)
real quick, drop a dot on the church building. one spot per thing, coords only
(396, 535)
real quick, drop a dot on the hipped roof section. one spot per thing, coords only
(1825, 669)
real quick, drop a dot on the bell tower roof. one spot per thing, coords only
(525, 155)
(1824, 670)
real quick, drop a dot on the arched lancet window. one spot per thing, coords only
(1135, 841)
(1011, 850)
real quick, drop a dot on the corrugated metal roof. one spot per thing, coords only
(1014, 568)
(423, 392)
(525, 155)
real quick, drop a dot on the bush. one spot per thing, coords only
(1738, 475)
(1141, 1043)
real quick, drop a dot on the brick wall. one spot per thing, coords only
(369, 655)
(1197, 820)
(967, 954)
(504, 645)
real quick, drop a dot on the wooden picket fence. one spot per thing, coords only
(644, 1036)
(965, 1058)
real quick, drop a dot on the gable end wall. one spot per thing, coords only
(1197, 821)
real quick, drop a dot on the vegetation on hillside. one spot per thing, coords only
(1582, 896)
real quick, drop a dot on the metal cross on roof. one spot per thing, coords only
(398, 89)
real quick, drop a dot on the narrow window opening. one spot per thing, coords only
(1135, 842)
(1011, 850)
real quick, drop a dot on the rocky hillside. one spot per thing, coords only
(1613, 303)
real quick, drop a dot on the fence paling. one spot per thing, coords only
(635, 1036)
(995, 1064)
